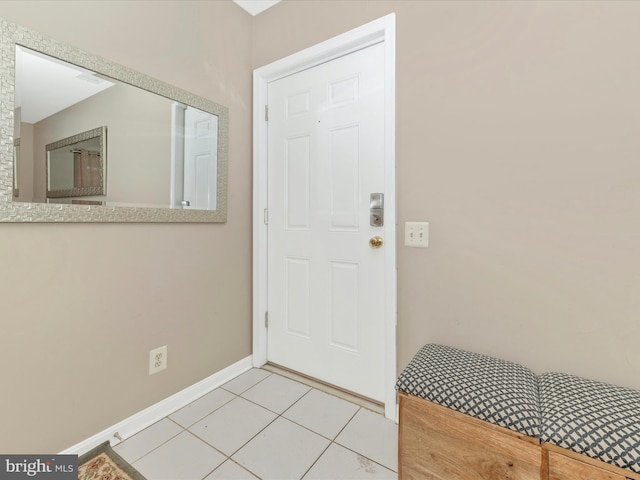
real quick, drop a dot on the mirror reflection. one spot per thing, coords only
(76, 165)
(161, 153)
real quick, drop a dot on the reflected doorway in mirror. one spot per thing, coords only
(194, 158)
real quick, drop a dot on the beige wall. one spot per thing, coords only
(82, 304)
(518, 140)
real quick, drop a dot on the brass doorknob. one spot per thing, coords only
(375, 242)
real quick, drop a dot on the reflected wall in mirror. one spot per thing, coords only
(167, 148)
(76, 165)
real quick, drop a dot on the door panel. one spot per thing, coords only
(297, 296)
(344, 186)
(297, 182)
(326, 285)
(344, 306)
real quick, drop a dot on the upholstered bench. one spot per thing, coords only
(587, 427)
(467, 416)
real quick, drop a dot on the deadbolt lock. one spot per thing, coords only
(376, 209)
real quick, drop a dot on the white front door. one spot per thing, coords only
(326, 284)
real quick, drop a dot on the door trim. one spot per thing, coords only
(381, 30)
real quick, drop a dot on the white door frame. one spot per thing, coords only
(381, 30)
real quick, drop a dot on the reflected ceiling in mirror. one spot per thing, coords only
(174, 171)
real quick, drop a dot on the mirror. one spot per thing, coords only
(166, 148)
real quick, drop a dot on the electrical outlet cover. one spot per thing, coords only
(157, 360)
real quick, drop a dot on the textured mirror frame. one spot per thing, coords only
(10, 211)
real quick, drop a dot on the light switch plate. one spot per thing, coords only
(416, 234)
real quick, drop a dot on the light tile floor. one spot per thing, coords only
(261, 425)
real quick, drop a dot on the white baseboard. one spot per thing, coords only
(154, 413)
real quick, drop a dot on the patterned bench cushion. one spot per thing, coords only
(497, 391)
(595, 419)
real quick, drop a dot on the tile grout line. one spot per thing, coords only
(208, 444)
(186, 429)
(331, 440)
(315, 461)
(168, 417)
(207, 414)
(228, 457)
(278, 416)
(157, 447)
(249, 388)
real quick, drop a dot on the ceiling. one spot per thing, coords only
(51, 85)
(254, 7)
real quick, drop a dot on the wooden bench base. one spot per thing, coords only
(437, 443)
(562, 464)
